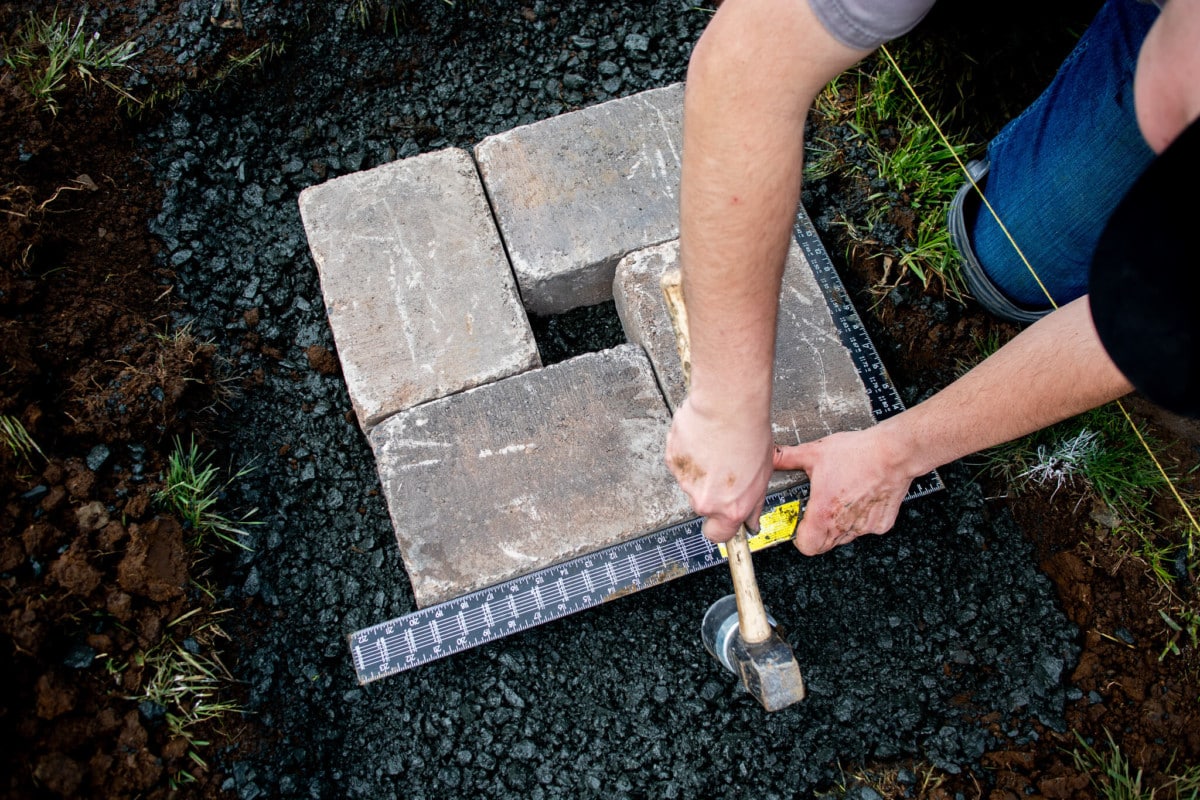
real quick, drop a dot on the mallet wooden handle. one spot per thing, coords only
(752, 617)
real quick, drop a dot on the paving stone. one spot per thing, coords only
(575, 193)
(419, 294)
(817, 390)
(507, 478)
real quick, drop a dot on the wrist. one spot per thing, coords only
(726, 402)
(902, 449)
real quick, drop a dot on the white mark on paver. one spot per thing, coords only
(429, 462)
(515, 554)
(662, 173)
(641, 159)
(400, 259)
(418, 443)
(801, 296)
(512, 448)
(662, 121)
(525, 504)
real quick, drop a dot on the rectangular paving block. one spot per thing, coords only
(419, 294)
(533, 470)
(817, 390)
(574, 193)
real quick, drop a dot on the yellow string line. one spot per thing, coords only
(912, 90)
(1170, 483)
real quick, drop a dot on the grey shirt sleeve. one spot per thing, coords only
(866, 24)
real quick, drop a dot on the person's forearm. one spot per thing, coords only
(750, 82)
(744, 117)
(1052, 370)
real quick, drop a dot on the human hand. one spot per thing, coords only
(857, 487)
(723, 464)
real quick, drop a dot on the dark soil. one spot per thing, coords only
(155, 284)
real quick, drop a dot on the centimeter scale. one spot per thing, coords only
(563, 589)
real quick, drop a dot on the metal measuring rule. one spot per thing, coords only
(558, 591)
(555, 592)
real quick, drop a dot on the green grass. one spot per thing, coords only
(17, 440)
(193, 488)
(189, 683)
(235, 66)
(1094, 452)
(912, 173)
(47, 52)
(1184, 623)
(1113, 776)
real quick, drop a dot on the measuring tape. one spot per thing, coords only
(554, 592)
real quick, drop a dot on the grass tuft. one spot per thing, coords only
(1113, 776)
(192, 488)
(185, 681)
(48, 52)
(911, 173)
(14, 437)
(1096, 451)
(1185, 629)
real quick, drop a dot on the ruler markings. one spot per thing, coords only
(383, 649)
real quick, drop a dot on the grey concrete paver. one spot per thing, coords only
(817, 390)
(576, 192)
(418, 291)
(507, 478)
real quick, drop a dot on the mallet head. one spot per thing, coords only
(767, 669)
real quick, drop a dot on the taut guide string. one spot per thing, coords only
(929, 116)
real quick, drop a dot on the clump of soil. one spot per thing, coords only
(94, 571)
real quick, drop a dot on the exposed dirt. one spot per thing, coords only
(94, 571)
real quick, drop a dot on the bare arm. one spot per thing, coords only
(1052, 370)
(751, 80)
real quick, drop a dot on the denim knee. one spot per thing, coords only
(1059, 169)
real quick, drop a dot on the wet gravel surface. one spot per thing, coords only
(937, 642)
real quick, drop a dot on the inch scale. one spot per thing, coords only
(885, 400)
(558, 591)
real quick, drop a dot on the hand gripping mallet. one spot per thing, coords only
(752, 649)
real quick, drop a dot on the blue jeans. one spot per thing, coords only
(1060, 168)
